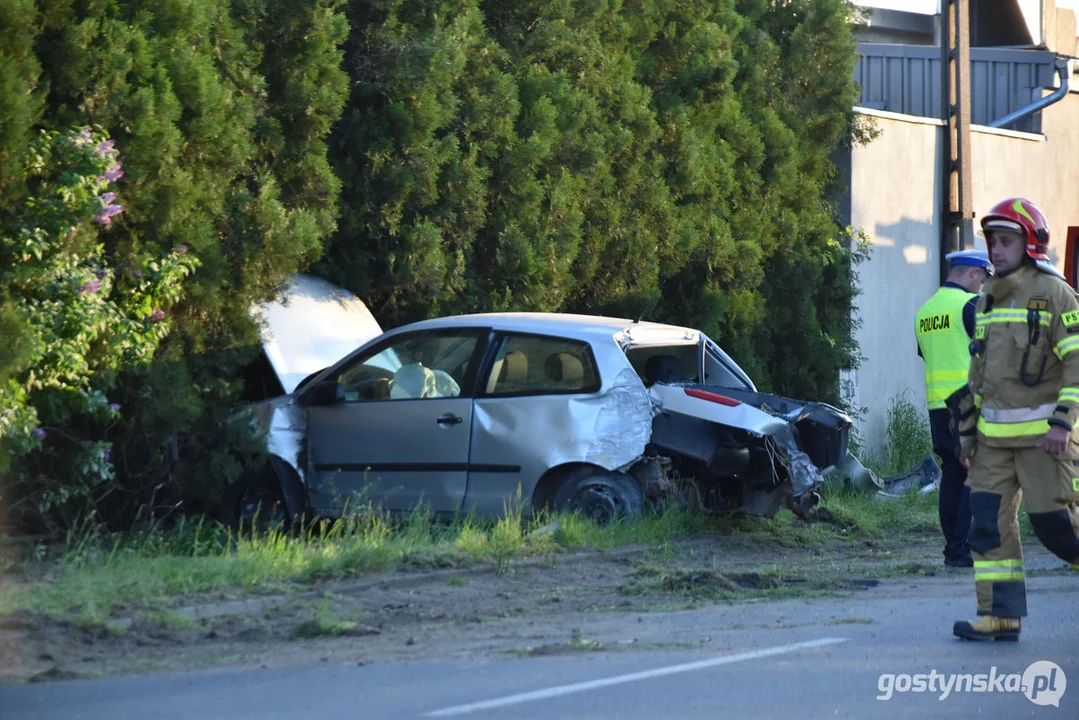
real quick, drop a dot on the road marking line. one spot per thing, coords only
(620, 679)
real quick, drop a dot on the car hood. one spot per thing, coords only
(310, 326)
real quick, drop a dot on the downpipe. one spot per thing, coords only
(1055, 97)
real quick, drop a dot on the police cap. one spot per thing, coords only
(977, 258)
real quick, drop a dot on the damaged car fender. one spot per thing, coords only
(525, 442)
(285, 426)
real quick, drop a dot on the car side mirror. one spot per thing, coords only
(327, 392)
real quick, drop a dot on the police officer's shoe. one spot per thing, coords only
(963, 561)
(988, 627)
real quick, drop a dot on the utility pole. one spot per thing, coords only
(957, 213)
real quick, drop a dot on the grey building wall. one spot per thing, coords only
(895, 191)
(895, 186)
(1044, 170)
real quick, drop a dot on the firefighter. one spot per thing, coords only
(1016, 422)
(944, 328)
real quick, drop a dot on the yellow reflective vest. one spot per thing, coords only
(944, 344)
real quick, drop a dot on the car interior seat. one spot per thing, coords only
(564, 369)
(664, 369)
(509, 373)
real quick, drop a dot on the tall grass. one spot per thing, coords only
(909, 439)
(96, 572)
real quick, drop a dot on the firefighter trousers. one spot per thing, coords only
(999, 478)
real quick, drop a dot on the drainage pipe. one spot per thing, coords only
(1056, 96)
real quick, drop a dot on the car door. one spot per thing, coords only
(533, 411)
(398, 431)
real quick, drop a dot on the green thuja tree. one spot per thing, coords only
(811, 275)
(432, 118)
(20, 100)
(496, 156)
(670, 159)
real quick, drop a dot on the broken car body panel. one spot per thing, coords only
(678, 399)
(520, 438)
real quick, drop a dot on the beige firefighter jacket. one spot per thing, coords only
(1024, 370)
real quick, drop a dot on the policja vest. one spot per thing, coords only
(944, 343)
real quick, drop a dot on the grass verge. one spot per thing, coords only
(96, 575)
(326, 623)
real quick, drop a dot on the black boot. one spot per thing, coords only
(959, 561)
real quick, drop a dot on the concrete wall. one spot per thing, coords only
(895, 188)
(1044, 170)
(1061, 31)
(895, 184)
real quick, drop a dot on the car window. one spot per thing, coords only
(537, 365)
(665, 363)
(413, 367)
(717, 373)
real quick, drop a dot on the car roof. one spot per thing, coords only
(592, 327)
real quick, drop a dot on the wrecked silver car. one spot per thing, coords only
(549, 410)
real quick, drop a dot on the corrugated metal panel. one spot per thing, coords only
(907, 79)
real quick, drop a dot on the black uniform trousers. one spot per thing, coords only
(954, 506)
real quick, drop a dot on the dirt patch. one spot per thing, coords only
(545, 608)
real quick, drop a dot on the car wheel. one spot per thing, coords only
(601, 496)
(255, 502)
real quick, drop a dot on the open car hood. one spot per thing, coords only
(312, 325)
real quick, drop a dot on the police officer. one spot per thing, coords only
(1016, 424)
(944, 328)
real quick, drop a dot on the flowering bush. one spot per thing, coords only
(71, 318)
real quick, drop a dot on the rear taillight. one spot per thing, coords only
(712, 397)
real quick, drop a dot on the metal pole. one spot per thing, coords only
(957, 216)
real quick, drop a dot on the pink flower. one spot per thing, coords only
(108, 198)
(105, 148)
(90, 287)
(181, 250)
(105, 216)
(157, 315)
(114, 173)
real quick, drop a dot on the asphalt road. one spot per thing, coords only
(804, 659)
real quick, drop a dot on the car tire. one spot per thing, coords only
(601, 496)
(256, 503)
